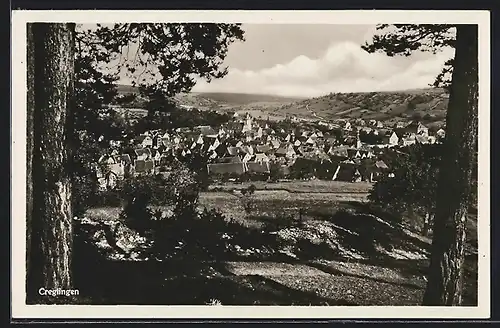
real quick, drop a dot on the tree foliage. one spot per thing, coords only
(404, 39)
(173, 55)
(459, 160)
(414, 183)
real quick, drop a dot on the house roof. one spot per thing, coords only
(142, 152)
(381, 165)
(422, 139)
(263, 148)
(229, 159)
(139, 165)
(233, 151)
(226, 168)
(141, 138)
(126, 158)
(260, 157)
(257, 167)
(346, 172)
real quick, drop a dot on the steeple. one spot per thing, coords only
(358, 140)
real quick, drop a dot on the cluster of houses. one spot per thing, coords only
(250, 147)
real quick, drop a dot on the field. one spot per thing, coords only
(312, 186)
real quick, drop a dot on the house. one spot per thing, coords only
(139, 166)
(226, 168)
(408, 141)
(111, 180)
(215, 145)
(233, 151)
(143, 153)
(275, 144)
(417, 128)
(263, 149)
(440, 133)
(149, 166)
(165, 141)
(247, 149)
(106, 159)
(125, 159)
(247, 158)
(347, 172)
(157, 157)
(390, 139)
(257, 167)
(353, 153)
(310, 141)
(399, 125)
(287, 152)
(421, 139)
(117, 169)
(260, 158)
(231, 159)
(381, 165)
(144, 140)
(340, 152)
(206, 131)
(259, 133)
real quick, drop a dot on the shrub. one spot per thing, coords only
(85, 190)
(247, 198)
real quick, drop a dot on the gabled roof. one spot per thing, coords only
(143, 152)
(260, 157)
(126, 158)
(232, 159)
(381, 165)
(422, 139)
(233, 151)
(263, 148)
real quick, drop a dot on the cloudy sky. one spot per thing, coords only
(312, 60)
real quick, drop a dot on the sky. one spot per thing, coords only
(307, 60)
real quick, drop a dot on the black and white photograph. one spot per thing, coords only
(271, 163)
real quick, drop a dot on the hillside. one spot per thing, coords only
(428, 105)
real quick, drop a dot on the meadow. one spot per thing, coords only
(301, 243)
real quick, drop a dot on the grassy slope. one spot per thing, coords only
(385, 106)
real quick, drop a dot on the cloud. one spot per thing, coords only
(343, 67)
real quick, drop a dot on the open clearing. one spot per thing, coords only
(341, 254)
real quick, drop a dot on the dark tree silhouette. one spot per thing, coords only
(50, 85)
(456, 174)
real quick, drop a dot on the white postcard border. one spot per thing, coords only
(18, 160)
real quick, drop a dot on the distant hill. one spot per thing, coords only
(428, 105)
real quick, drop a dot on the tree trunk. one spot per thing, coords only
(51, 81)
(445, 276)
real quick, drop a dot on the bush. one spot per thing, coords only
(84, 194)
